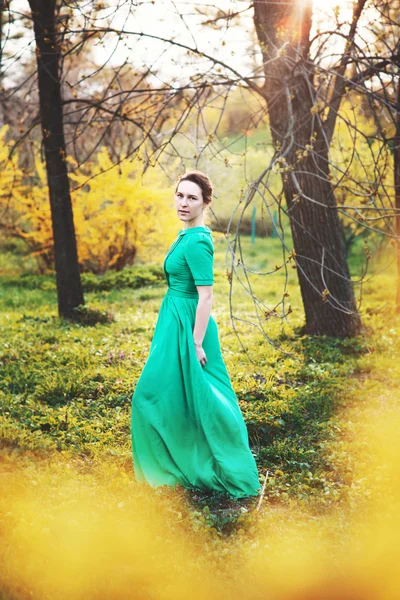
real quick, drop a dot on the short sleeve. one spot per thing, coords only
(199, 255)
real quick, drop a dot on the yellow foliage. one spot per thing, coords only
(69, 534)
(10, 182)
(119, 216)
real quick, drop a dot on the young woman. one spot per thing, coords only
(187, 427)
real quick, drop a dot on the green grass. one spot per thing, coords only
(66, 388)
(261, 138)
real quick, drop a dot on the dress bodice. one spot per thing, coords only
(190, 260)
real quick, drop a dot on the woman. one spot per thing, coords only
(187, 427)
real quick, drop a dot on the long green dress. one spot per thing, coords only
(187, 426)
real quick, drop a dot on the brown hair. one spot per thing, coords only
(202, 181)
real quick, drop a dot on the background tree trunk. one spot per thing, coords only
(327, 293)
(396, 154)
(4, 116)
(69, 287)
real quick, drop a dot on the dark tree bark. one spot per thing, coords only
(327, 292)
(396, 152)
(69, 287)
(2, 104)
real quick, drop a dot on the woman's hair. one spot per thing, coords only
(202, 181)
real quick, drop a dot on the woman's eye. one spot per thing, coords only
(190, 197)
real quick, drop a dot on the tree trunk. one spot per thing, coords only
(396, 154)
(4, 119)
(69, 287)
(327, 293)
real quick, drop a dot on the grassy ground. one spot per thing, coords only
(65, 393)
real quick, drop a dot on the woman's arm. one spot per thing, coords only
(202, 317)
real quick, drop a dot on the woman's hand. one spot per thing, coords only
(201, 355)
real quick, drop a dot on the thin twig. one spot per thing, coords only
(262, 492)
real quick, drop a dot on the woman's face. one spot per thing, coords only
(189, 200)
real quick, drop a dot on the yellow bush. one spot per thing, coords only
(10, 186)
(120, 217)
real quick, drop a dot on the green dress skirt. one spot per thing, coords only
(187, 426)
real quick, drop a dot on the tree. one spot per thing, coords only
(389, 38)
(300, 96)
(69, 287)
(289, 91)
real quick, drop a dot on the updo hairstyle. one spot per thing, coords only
(202, 181)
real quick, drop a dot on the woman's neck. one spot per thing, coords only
(192, 224)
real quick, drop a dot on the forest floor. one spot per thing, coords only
(322, 420)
